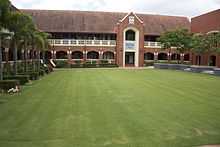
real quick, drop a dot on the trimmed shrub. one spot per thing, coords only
(149, 63)
(90, 65)
(76, 65)
(91, 62)
(104, 61)
(32, 75)
(41, 72)
(78, 62)
(23, 79)
(5, 85)
(108, 65)
(61, 63)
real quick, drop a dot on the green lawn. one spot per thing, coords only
(113, 108)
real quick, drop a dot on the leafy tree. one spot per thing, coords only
(4, 13)
(206, 43)
(212, 41)
(198, 45)
(179, 38)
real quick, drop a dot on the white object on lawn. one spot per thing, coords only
(13, 90)
(53, 64)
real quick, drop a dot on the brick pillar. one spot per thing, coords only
(84, 56)
(155, 56)
(182, 57)
(53, 54)
(69, 53)
(100, 57)
(115, 57)
(22, 54)
(6, 55)
(169, 56)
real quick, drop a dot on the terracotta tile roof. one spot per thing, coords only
(206, 22)
(100, 22)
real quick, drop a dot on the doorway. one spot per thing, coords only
(129, 58)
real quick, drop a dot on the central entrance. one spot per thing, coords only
(129, 58)
(131, 47)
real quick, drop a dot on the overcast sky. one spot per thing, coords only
(187, 8)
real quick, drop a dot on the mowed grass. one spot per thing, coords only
(113, 108)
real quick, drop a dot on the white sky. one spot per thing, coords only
(189, 8)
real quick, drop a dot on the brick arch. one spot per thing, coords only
(48, 55)
(108, 55)
(198, 59)
(61, 54)
(93, 54)
(148, 56)
(175, 56)
(212, 60)
(187, 57)
(162, 56)
(77, 55)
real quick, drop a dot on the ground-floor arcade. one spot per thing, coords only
(109, 55)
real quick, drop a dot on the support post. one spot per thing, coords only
(155, 56)
(1, 67)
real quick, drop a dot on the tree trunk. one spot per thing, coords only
(38, 58)
(43, 56)
(25, 60)
(1, 68)
(208, 59)
(25, 56)
(15, 58)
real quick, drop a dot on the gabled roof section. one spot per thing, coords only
(131, 13)
(100, 22)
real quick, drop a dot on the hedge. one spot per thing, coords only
(23, 79)
(32, 75)
(61, 63)
(5, 85)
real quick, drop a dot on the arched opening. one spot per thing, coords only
(198, 60)
(48, 55)
(108, 55)
(175, 56)
(19, 54)
(41, 55)
(148, 56)
(130, 35)
(77, 55)
(186, 57)
(61, 55)
(10, 55)
(93, 55)
(3, 54)
(162, 56)
(212, 60)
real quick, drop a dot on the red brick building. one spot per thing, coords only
(206, 23)
(121, 38)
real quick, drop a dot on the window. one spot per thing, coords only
(130, 35)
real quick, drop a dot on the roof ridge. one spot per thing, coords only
(87, 11)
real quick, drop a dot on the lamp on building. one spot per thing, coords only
(155, 53)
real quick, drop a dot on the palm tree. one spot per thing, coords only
(4, 14)
(40, 43)
(22, 25)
